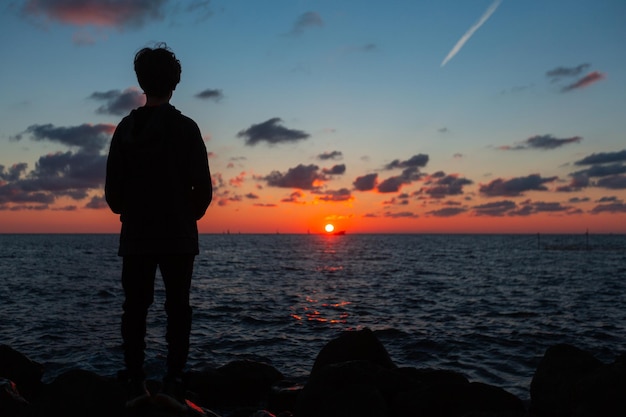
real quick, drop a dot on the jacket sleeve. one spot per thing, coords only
(202, 188)
(113, 186)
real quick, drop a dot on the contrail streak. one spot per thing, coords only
(471, 31)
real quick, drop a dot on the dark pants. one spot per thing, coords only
(138, 274)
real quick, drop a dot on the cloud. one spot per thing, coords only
(391, 185)
(210, 94)
(585, 81)
(102, 13)
(271, 132)
(526, 208)
(445, 186)
(342, 194)
(606, 166)
(610, 199)
(603, 158)
(366, 182)
(305, 21)
(304, 177)
(401, 215)
(97, 202)
(542, 142)
(335, 170)
(400, 201)
(82, 169)
(447, 211)
(118, 102)
(614, 182)
(498, 208)
(335, 155)
(551, 207)
(515, 186)
(457, 47)
(617, 207)
(55, 175)
(578, 182)
(238, 180)
(419, 160)
(601, 171)
(294, 198)
(560, 72)
(87, 137)
(14, 172)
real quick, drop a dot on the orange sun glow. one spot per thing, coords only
(329, 228)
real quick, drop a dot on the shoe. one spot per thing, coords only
(172, 396)
(138, 394)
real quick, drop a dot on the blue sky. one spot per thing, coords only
(330, 110)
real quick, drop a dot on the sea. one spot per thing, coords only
(487, 306)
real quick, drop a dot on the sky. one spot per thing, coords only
(433, 116)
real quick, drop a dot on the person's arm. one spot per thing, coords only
(113, 186)
(202, 188)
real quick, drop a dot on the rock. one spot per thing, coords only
(11, 402)
(25, 373)
(353, 346)
(419, 378)
(355, 388)
(236, 383)
(354, 375)
(456, 400)
(602, 392)
(552, 389)
(283, 397)
(81, 393)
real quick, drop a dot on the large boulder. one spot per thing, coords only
(457, 400)
(81, 393)
(603, 391)
(570, 382)
(354, 375)
(362, 345)
(25, 373)
(355, 388)
(236, 383)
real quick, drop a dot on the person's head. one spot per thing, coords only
(158, 70)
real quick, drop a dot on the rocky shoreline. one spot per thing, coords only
(353, 375)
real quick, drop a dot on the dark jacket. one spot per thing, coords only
(158, 180)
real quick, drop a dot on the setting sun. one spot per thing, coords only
(329, 228)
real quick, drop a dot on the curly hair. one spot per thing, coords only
(158, 71)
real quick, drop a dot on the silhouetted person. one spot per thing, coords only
(158, 180)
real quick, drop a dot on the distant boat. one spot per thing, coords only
(340, 233)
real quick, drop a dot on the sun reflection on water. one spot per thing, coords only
(322, 312)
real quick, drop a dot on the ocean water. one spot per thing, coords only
(487, 306)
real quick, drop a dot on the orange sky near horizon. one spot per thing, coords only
(281, 219)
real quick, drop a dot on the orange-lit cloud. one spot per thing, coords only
(104, 13)
(304, 177)
(238, 180)
(585, 81)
